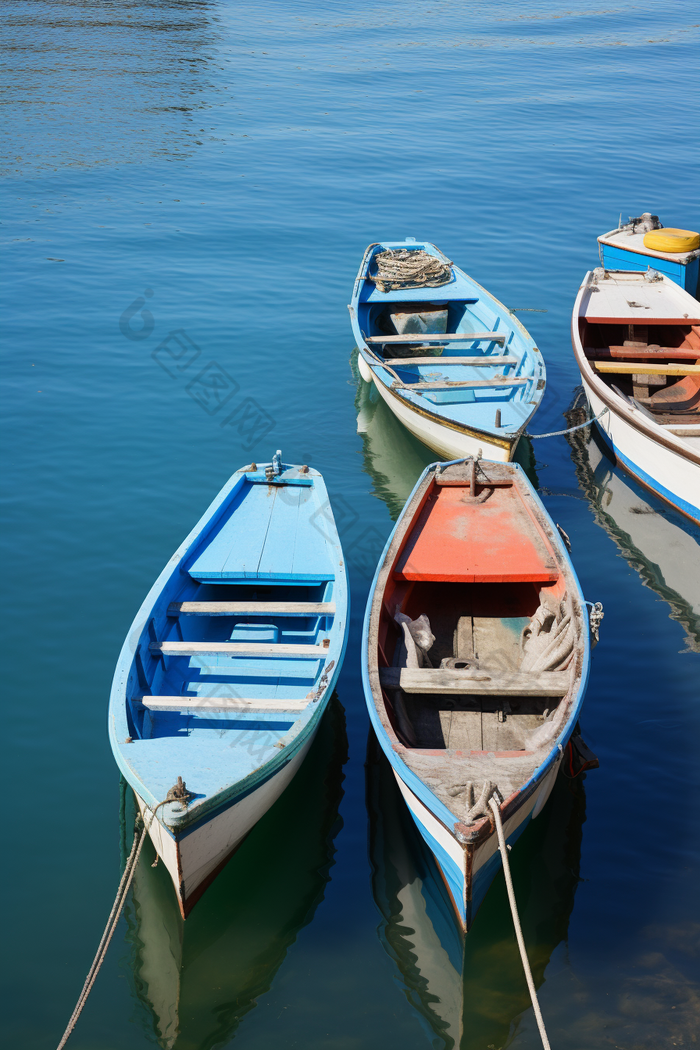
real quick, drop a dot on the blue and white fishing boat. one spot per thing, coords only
(643, 242)
(636, 340)
(228, 667)
(452, 363)
(659, 544)
(475, 659)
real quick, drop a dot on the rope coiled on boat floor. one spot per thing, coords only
(114, 915)
(403, 268)
(560, 433)
(496, 809)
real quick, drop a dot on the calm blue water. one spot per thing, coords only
(235, 160)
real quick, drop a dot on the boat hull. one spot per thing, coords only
(196, 856)
(661, 461)
(449, 442)
(658, 545)
(469, 870)
(666, 473)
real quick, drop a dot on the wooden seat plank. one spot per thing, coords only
(455, 384)
(451, 681)
(237, 649)
(476, 362)
(252, 608)
(222, 703)
(440, 337)
(632, 367)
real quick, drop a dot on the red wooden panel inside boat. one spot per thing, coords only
(495, 541)
(642, 353)
(684, 394)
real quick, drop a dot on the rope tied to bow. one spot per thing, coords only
(496, 810)
(595, 615)
(177, 793)
(570, 430)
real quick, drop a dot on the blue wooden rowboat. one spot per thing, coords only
(228, 667)
(475, 659)
(452, 363)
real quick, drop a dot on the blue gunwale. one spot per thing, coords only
(438, 809)
(476, 411)
(291, 728)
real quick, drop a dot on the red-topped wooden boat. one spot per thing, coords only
(475, 662)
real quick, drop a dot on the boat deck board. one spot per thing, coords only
(261, 539)
(212, 755)
(627, 298)
(491, 542)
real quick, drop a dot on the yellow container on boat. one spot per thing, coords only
(670, 240)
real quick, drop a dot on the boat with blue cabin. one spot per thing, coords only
(228, 667)
(454, 365)
(643, 242)
(636, 340)
(475, 659)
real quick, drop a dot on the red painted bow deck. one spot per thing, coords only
(494, 540)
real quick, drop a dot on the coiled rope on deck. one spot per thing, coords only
(406, 268)
(493, 802)
(114, 915)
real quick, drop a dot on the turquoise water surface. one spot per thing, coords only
(189, 187)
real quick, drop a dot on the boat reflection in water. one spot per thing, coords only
(660, 544)
(394, 459)
(198, 979)
(470, 992)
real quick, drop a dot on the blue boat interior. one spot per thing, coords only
(246, 629)
(460, 307)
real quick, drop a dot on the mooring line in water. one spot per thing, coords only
(493, 802)
(560, 433)
(114, 915)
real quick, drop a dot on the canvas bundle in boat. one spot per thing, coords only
(417, 639)
(548, 640)
(422, 319)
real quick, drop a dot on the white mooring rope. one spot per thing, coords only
(559, 433)
(119, 901)
(493, 802)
